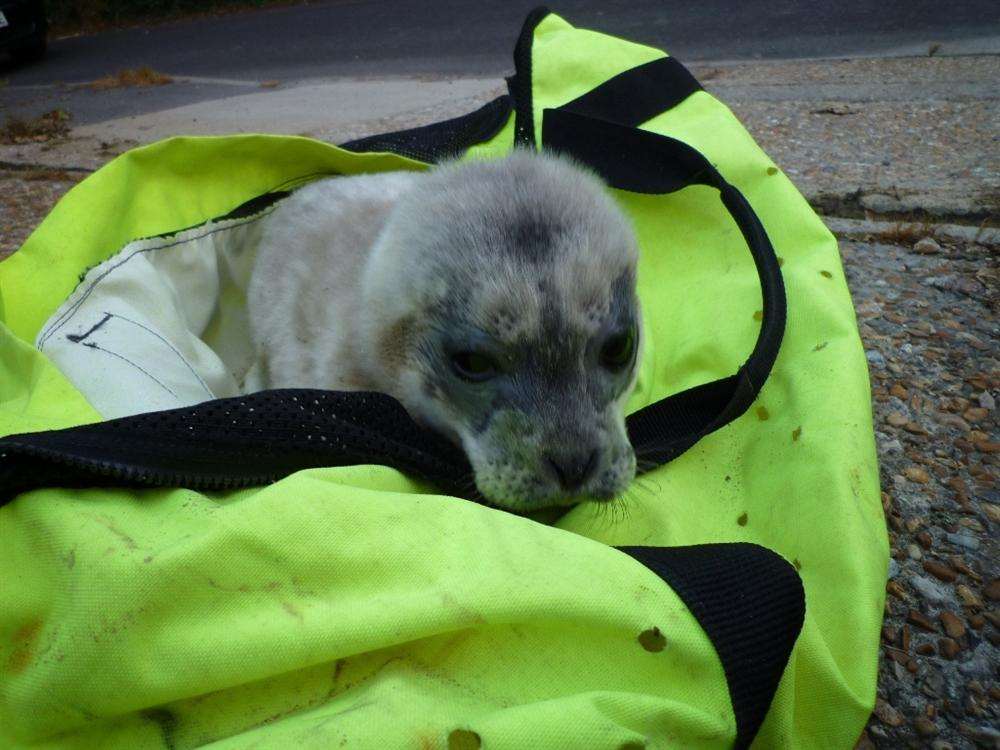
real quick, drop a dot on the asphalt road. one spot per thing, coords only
(218, 57)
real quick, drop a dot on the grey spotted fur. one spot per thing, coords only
(374, 282)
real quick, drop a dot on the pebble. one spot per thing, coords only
(972, 523)
(934, 679)
(892, 446)
(929, 589)
(914, 551)
(971, 706)
(952, 625)
(925, 726)
(940, 571)
(887, 714)
(959, 564)
(898, 670)
(921, 620)
(989, 736)
(974, 342)
(978, 381)
(963, 540)
(893, 588)
(916, 474)
(986, 401)
(875, 358)
(893, 568)
(925, 539)
(992, 590)
(968, 596)
(980, 663)
(899, 391)
(953, 420)
(948, 648)
(927, 246)
(975, 414)
(955, 283)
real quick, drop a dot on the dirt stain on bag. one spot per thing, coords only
(464, 739)
(24, 641)
(292, 610)
(652, 640)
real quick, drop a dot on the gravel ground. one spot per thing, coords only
(26, 196)
(927, 312)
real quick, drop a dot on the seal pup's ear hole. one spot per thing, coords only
(473, 366)
(618, 349)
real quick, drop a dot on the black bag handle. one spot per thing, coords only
(645, 162)
(601, 129)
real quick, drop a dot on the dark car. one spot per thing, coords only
(22, 29)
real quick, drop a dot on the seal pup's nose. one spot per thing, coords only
(572, 467)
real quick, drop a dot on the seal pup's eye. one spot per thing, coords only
(473, 366)
(617, 351)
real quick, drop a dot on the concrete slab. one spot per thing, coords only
(331, 107)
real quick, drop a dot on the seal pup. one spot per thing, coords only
(494, 299)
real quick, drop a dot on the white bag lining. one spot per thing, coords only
(161, 324)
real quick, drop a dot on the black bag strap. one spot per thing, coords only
(637, 94)
(237, 442)
(640, 161)
(632, 97)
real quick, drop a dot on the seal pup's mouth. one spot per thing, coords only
(524, 469)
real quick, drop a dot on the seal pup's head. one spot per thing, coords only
(500, 309)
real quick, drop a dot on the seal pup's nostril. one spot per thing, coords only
(572, 469)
